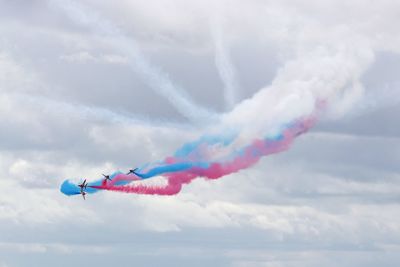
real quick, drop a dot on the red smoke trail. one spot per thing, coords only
(248, 157)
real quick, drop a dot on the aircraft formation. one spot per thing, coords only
(83, 186)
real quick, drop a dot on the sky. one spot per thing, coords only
(92, 87)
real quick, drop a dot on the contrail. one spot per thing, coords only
(154, 77)
(224, 65)
(92, 112)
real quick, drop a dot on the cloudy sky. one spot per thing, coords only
(91, 87)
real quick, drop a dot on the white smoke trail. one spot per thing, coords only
(325, 70)
(154, 77)
(326, 61)
(224, 64)
(15, 82)
(91, 113)
(323, 60)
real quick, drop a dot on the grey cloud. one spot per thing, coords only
(65, 113)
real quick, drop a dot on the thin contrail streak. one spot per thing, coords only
(155, 78)
(224, 65)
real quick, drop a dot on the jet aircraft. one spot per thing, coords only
(83, 193)
(83, 185)
(132, 171)
(107, 177)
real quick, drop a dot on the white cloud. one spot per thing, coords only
(332, 191)
(12, 75)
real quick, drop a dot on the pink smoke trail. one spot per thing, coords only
(248, 157)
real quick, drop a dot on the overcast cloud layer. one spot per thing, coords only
(100, 86)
